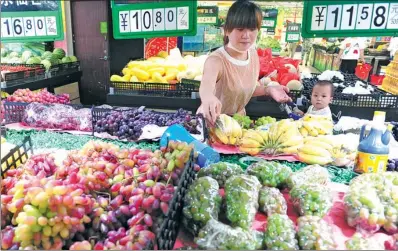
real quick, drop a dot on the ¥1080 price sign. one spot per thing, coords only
(350, 19)
(154, 19)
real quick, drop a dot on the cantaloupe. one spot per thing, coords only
(294, 85)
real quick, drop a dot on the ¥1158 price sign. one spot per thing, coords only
(154, 19)
(350, 19)
(28, 21)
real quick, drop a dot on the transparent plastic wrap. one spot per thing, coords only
(201, 203)
(271, 201)
(315, 234)
(389, 199)
(221, 171)
(360, 242)
(218, 236)
(280, 233)
(312, 199)
(309, 175)
(270, 173)
(57, 116)
(241, 193)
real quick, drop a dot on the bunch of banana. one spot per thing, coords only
(226, 131)
(316, 150)
(282, 137)
(314, 125)
(4, 94)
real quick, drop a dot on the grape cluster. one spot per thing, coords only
(280, 233)
(270, 173)
(40, 162)
(312, 199)
(128, 124)
(271, 201)
(315, 234)
(313, 174)
(201, 203)
(220, 171)
(392, 165)
(218, 236)
(242, 199)
(359, 242)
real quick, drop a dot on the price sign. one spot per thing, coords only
(293, 32)
(365, 18)
(269, 18)
(154, 19)
(208, 15)
(30, 20)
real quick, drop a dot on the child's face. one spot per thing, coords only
(321, 96)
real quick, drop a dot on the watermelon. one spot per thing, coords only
(26, 55)
(33, 60)
(46, 54)
(46, 63)
(66, 60)
(59, 53)
(73, 58)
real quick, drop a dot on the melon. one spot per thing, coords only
(59, 53)
(14, 54)
(291, 67)
(66, 60)
(294, 85)
(46, 54)
(26, 55)
(73, 58)
(46, 63)
(4, 52)
(33, 60)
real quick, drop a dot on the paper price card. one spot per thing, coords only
(25, 21)
(350, 19)
(154, 19)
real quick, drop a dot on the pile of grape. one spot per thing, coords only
(315, 234)
(312, 199)
(218, 236)
(242, 199)
(270, 173)
(392, 165)
(265, 121)
(313, 174)
(271, 201)
(358, 242)
(201, 203)
(220, 171)
(280, 233)
(128, 124)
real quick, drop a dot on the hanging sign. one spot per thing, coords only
(146, 19)
(269, 18)
(364, 18)
(31, 20)
(208, 15)
(293, 32)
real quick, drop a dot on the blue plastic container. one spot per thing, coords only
(206, 154)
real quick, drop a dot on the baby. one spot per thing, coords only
(321, 97)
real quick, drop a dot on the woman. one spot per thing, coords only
(230, 73)
(351, 50)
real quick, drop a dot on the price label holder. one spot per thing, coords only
(208, 15)
(364, 18)
(293, 32)
(154, 19)
(31, 21)
(269, 18)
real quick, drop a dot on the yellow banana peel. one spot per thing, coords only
(250, 143)
(313, 159)
(250, 151)
(314, 150)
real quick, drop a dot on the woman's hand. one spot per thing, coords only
(211, 109)
(278, 93)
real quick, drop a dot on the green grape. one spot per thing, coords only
(358, 242)
(271, 201)
(280, 233)
(315, 234)
(312, 199)
(220, 171)
(201, 203)
(309, 175)
(270, 173)
(244, 121)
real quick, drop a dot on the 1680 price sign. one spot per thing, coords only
(28, 26)
(147, 20)
(375, 16)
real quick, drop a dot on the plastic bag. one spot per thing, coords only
(315, 234)
(312, 199)
(271, 201)
(362, 71)
(264, 53)
(270, 173)
(309, 175)
(280, 233)
(241, 193)
(285, 78)
(201, 203)
(218, 236)
(57, 116)
(221, 171)
(359, 242)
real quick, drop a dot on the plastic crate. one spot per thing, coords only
(19, 154)
(35, 72)
(153, 89)
(168, 231)
(64, 68)
(293, 94)
(195, 83)
(14, 111)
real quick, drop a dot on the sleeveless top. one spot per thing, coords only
(237, 81)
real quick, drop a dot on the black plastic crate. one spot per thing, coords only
(153, 89)
(293, 94)
(33, 71)
(196, 83)
(18, 154)
(14, 111)
(64, 68)
(168, 231)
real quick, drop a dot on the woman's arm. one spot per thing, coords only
(260, 90)
(362, 55)
(211, 73)
(278, 93)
